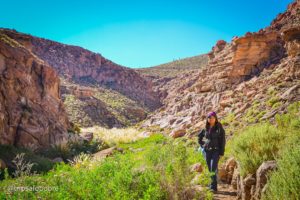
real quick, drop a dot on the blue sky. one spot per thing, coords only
(140, 33)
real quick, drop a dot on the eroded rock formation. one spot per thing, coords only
(31, 111)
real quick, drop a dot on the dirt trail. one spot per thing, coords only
(225, 192)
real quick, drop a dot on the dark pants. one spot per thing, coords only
(212, 159)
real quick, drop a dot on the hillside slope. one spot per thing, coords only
(257, 67)
(175, 67)
(89, 71)
(174, 75)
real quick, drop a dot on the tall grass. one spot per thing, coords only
(115, 136)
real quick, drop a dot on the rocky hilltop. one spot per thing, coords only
(87, 78)
(257, 67)
(31, 111)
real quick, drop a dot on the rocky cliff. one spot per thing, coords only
(95, 90)
(31, 111)
(257, 67)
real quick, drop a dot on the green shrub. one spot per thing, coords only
(173, 161)
(285, 182)
(159, 170)
(272, 101)
(262, 142)
(276, 105)
(255, 145)
(68, 150)
(272, 91)
(228, 119)
(41, 163)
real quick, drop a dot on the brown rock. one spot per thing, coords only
(262, 175)
(82, 92)
(226, 102)
(291, 92)
(246, 184)
(253, 49)
(197, 167)
(226, 171)
(270, 114)
(104, 153)
(230, 164)
(206, 88)
(177, 133)
(234, 180)
(222, 174)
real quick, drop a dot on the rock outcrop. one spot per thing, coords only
(31, 111)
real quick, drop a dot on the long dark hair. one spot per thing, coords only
(207, 125)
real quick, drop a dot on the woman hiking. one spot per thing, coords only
(212, 140)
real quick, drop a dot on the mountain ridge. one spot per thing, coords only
(88, 71)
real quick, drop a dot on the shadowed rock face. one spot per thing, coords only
(85, 67)
(292, 38)
(31, 112)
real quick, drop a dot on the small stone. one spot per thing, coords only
(197, 167)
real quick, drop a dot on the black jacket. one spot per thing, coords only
(214, 140)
